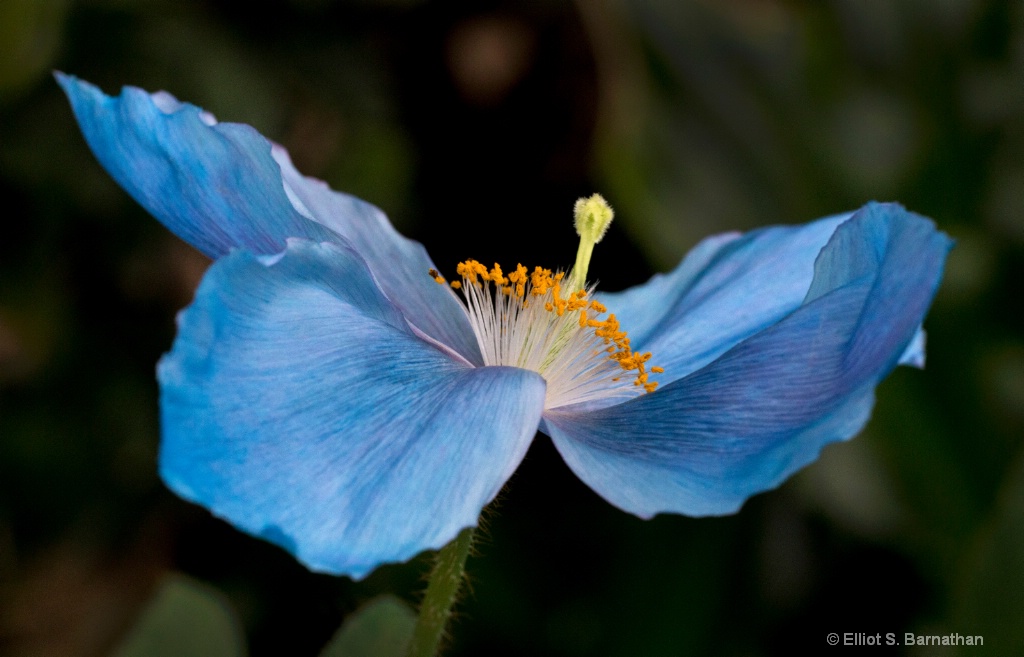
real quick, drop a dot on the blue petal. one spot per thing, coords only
(914, 355)
(742, 424)
(215, 185)
(298, 404)
(725, 290)
(220, 186)
(399, 265)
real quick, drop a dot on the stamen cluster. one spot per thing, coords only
(522, 319)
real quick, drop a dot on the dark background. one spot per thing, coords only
(458, 118)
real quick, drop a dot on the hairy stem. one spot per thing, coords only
(442, 592)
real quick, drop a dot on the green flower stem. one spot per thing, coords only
(442, 591)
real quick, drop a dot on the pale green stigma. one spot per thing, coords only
(593, 216)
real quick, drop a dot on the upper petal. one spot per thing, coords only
(727, 288)
(220, 186)
(298, 405)
(743, 423)
(215, 185)
(399, 264)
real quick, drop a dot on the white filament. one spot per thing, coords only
(520, 332)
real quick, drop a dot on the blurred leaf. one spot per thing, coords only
(990, 601)
(186, 618)
(30, 32)
(377, 164)
(380, 628)
(703, 128)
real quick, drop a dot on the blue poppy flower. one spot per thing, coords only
(324, 393)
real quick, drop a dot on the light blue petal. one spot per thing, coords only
(220, 186)
(298, 405)
(914, 355)
(742, 424)
(399, 265)
(214, 185)
(725, 290)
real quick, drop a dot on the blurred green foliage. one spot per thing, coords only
(30, 33)
(184, 619)
(692, 117)
(381, 628)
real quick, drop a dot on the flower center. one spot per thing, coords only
(542, 322)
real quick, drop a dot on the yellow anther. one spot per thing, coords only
(455, 285)
(541, 281)
(519, 277)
